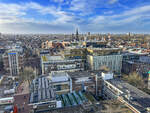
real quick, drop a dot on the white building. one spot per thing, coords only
(107, 76)
(58, 63)
(61, 81)
(13, 62)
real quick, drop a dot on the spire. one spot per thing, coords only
(77, 34)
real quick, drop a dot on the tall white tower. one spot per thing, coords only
(13, 63)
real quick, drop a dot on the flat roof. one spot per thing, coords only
(79, 74)
(41, 90)
(141, 100)
(12, 53)
(51, 58)
(103, 48)
(59, 77)
(69, 101)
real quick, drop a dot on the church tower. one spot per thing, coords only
(77, 35)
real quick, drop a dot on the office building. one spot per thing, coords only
(86, 81)
(96, 44)
(47, 44)
(42, 95)
(58, 63)
(13, 62)
(105, 57)
(74, 53)
(136, 63)
(54, 44)
(62, 82)
(135, 99)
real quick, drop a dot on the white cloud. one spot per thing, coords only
(108, 12)
(13, 16)
(11, 10)
(77, 5)
(136, 11)
(85, 7)
(98, 19)
(16, 12)
(16, 15)
(61, 16)
(126, 17)
(112, 1)
(58, 1)
(30, 27)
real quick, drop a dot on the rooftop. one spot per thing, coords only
(104, 48)
(140, 99)
(77, 109)
(57, 59)
(138, 51)
(70, 101)
(103, 51)
(79, 74)
(59, 77)
(41, 90)
(51, 58)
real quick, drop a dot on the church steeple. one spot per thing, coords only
(77, 35)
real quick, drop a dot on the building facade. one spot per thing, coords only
(113, 62)
(57, 63)
(127, 94)
(139, 66)
(13, 62)
(61, 82)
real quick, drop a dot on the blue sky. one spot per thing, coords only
(63, 16)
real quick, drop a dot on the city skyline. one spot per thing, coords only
(63, 16)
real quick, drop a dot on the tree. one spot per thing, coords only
(27, 75)
(104, 68)
(135, 79)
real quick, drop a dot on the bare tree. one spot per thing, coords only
(27, 74)
(104, 68)
(135, 79)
